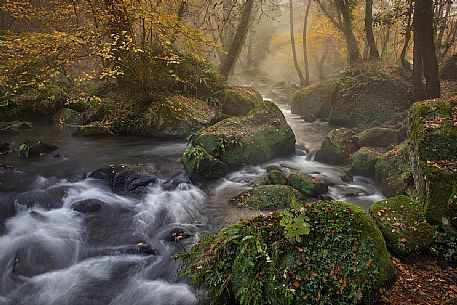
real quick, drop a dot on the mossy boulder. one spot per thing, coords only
(370, 94)
(259, 136)
(433, 156)
(199, 164)
(7, 128)
(238, 101)
(51, 99)
(449, 68)
(276, 176)
(319, 253)
(177, 116)
(33, 149)
(67, 116)
(392, 171)
(379, 137)
(314, 100)
(337, 147)
(267, 197)
(307, 185)
(364, 160)
(403, 225)
(94, 129)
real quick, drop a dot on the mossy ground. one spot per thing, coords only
(343, 259)
(403, 225)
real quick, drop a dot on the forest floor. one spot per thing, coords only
(422, 281)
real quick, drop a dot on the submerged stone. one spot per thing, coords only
(87, 205)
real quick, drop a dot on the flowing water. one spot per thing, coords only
(123, 253)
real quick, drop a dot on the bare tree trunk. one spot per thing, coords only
(425, 63)
(369, 29)
(292, 41)
(305, 44)
(353, 46)
(321, 61)
(238, 40)
(403, 60)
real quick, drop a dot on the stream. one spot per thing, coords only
(123, 253)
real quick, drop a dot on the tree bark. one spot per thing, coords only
(425, 63)
(369, 29)
(292, 41)
(238, 40)
(351, 42)
(403, 60)
(305, 44)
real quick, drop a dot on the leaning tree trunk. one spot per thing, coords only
(369, 29)
(292, 41)
(238, 40)
(305, 44)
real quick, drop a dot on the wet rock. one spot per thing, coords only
(4, 148)
(67, 116)
(126, 177)
(307, 185)
(364, 160)
(337, 147)
(314, 101)
(137, 249)
(308, 118)
(87, 205)
(379, 137)
(347, 178)
(94, 129)
(46, 199)
(267, 197)
(33, 149)
(178, 234)
(260, 135)
(276, 176)
(7, 128)
(174, 182)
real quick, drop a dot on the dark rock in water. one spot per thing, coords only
(325, 198)
(347, 179)
(32, 149)
(4, 148)
(175, 182)
(178, 234)
(308, 118)
(138, 249)
(126, 177)
(13, 127)
(47, 199)
(87, 205)
(38, 215)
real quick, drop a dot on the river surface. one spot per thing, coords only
(123, 254)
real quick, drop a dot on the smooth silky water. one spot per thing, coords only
(52, 255)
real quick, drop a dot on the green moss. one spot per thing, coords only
(307, 185)
(378, 137)
(342, 260)
(198, 163)
(337, 147)
(67, 116)
(239, 101)
(364, 160)
(51, 98)
(267, 197)
(392, 171)
(403, 224)
(257, 137)
(276, 176)
(315, 99)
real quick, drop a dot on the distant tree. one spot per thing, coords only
(369, 29)
(305, 40)
(294, 50)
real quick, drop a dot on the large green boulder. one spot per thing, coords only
(238, 101)
(276, 176)
(177, 116)
(267, 197)
(392, 171)
(199, 164)
(364, 160)
(337, 147)
(433, 156)
(379, 137)
(449, 68)
(319, 253)
(403, 225)
(307, 185)
(370, 94)
(259, 136)
(315, 100)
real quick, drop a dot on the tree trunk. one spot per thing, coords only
(238, 40)
(403, 60)
(292, 41)
(351, 42)
(425, 63)
(305, 44)
(321, 61)
(369, 29)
